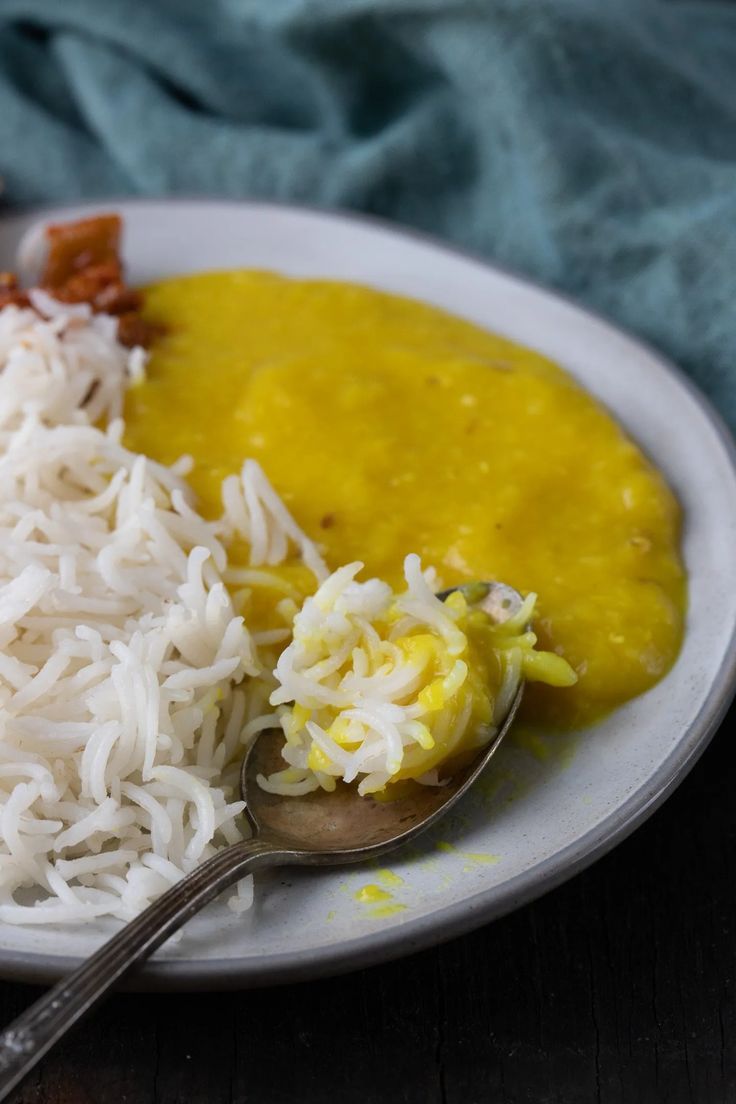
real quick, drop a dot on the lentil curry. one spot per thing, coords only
(388, 426)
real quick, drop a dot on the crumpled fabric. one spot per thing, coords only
(590, 144)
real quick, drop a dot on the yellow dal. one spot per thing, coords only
(389, 426)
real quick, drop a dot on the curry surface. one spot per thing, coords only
(388, 426)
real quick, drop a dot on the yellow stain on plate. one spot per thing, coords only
(481, 858)
(471, 859)
(368, 894)
(331, 914)
(389, 878)
(384, 911)
(381, 899)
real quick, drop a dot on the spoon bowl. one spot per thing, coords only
(324, 828)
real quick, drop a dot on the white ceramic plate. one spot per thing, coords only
(563, 814)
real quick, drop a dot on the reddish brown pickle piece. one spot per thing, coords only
(76, 246)
(84, 266)
(10, 292)
(134, 330)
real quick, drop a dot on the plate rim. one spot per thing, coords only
(411, 935)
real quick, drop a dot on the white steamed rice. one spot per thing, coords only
(123, 704)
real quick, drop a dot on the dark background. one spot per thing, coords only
(616, 988)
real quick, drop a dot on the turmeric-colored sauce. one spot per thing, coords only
(388, 426)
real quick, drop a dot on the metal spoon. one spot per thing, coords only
(318, 829)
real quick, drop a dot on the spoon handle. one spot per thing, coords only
(24, 1042)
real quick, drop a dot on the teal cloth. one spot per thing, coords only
(588, 143)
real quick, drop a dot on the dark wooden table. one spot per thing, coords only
(618, 988)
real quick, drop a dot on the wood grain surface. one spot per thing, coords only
(616, 988)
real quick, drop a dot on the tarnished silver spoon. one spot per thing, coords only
(318, 829)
